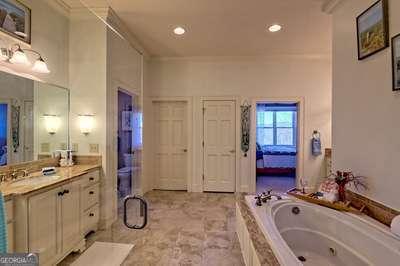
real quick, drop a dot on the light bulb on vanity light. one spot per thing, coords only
(52, 123)
(86, 123)
(40, 66)
(19, 58)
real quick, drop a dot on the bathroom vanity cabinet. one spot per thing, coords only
(54, 221)
(9, 205)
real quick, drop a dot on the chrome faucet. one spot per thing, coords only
(266, 196)
(3, 177)
(15, 173)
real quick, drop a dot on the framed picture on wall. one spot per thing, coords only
(15, 20)
(396, 62)
(373, 29)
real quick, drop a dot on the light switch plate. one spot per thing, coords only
(63, 146)
(94, 148)
(75, 147)
(45, 147)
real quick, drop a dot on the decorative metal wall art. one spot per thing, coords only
(245, 127)
(15, 115)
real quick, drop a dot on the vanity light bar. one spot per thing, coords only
(17, 56)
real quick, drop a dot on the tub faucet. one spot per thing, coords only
(276, 195)
(266, 196)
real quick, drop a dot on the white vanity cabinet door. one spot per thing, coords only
(43, 224)
(70, 216)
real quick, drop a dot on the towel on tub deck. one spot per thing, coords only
(3, 225)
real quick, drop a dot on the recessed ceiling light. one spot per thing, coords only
(275, 28)
(179, 31)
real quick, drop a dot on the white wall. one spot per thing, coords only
(124, 71)
(87, 84)
(88, 90)
(365, 110)
(274, 76)
(50, 37)
(49, 34)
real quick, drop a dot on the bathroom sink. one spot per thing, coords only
(34, 181)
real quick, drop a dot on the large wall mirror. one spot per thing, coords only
(34, 119)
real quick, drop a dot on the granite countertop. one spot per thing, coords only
(65, 173)
(264, 251)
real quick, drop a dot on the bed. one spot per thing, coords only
(273, 160)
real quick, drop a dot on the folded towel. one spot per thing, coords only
(395, 225)
(3, 226)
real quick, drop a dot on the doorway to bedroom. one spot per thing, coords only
(276, 146)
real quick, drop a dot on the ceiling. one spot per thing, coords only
(225, 27)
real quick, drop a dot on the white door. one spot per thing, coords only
(170, 145)
(219, 146)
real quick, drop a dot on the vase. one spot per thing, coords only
(342, 192)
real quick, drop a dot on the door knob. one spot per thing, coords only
(184, 150)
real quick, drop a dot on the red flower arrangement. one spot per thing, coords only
(344, 178)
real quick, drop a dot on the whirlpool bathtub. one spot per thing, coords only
(301, 233)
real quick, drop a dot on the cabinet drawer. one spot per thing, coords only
(90, 219)
(90, 178)
(90, 196)
(9, 210)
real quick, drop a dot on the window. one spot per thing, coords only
(276, 128)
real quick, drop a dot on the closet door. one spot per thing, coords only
(170, 145)
(219, 146)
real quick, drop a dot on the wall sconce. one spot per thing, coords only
(52, 123)
(17, 56)
(86, 123)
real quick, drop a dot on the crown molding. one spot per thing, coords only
(252, 58)
(89, 13)
(60, 6)
(79, 12)
(120, 27)
(329, 6)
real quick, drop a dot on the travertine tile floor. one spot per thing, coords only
(183, 229)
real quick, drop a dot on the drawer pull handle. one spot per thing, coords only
(66, 191)
(91, 192)
(91, 178)
(91, 214)
(61, 193)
